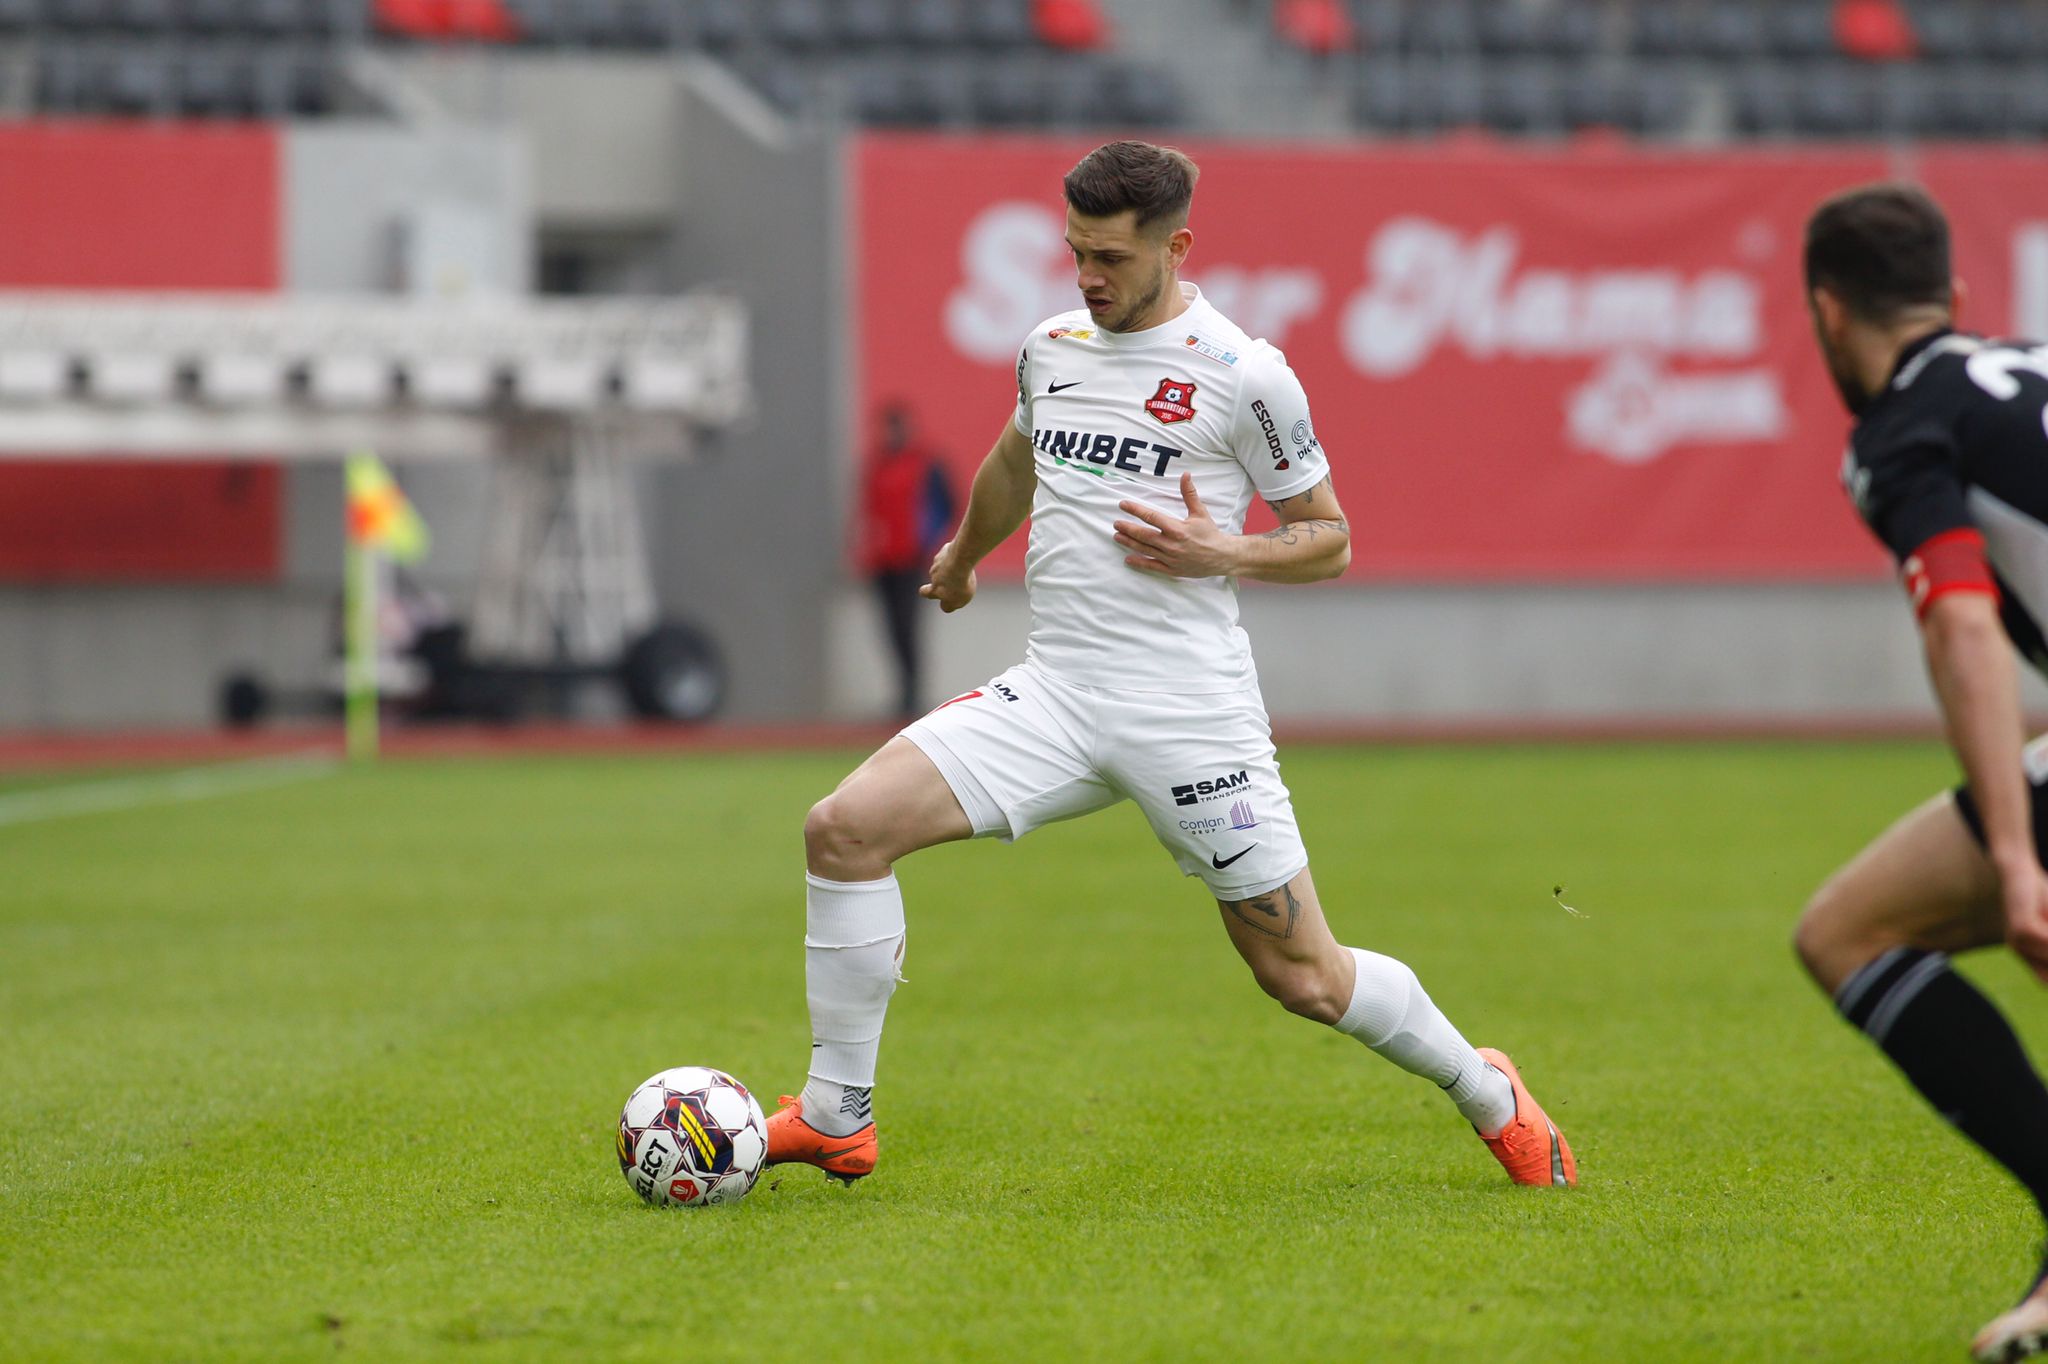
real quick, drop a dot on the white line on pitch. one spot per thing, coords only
(163, 788)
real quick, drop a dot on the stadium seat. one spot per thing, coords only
(1512, 28)
(1576, 28)
(133, 82)
(200, 87)
(1522, 99)
(863, 23)
(1761, 103)
(2028, 109)
(1379, 24)
(1318, 27)
(1007, 96)
(1800, 30)
(1000, 24)
(1969, 103)
(718, 25)
(16, 15)
(1380, 98)
(1947, 31)
(1874, 30)
(142, 16)
(798, 25)
(646, 25)
(1142, 97)
(1071, 25)
(2016, 32)
(1832, 101)
(1446, 28)
(1731, 31)
(76, 14)
(1660, 28)
(933, 23)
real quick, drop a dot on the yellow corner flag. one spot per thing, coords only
(379, 517)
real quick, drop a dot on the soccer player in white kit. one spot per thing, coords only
(1145, 423)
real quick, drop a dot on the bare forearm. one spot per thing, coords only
(1296, 552)
(996, 505)
(1976, 680)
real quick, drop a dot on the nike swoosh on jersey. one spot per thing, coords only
(1055, 387)
(1221, 862)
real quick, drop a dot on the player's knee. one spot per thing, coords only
(1307, 988)
(1830, 939)
(837, 843)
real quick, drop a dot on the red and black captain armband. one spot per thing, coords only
(1952, 561)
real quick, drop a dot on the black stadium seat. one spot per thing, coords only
(932, 23)
(1731, 31)
(1010, 95)
(863, 23)
(1947, 31)
(1762, 103)
(2015, 32)
(1832, 101)
(718, 25)
(1000, 23)
(1660, 28)
(1800, 30)
(1522, 99)
(1443, 28)
(798, 25)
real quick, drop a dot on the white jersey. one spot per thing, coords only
(1115, 416)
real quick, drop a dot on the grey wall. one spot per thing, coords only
(750, 534)
(1431, 655)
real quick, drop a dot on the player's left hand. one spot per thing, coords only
(1174, 548)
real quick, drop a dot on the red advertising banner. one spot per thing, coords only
(1539, 364)
(139, 206)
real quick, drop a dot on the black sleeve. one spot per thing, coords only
(1908, 486)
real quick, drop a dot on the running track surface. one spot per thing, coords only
(41, 751)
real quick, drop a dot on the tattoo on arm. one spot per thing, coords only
(1273, 913)
(1294, 532)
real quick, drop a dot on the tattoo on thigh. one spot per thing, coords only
(1273, 913)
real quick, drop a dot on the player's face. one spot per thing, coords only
(1123, 270)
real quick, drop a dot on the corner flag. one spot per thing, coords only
(379, 517)
(380, 523)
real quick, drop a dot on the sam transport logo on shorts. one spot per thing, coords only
(1210, 788)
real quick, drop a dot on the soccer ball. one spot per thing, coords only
(692, 1136)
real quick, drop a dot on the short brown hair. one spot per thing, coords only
(1881, 249)
(1158, 183)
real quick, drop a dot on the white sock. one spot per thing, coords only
(853, 945)
(1392, 1014)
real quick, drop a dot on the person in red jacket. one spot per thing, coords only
(906, 507)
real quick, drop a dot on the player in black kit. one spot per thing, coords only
(1948, 464)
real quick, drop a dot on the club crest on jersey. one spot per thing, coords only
(1174, 402)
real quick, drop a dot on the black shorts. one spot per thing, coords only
(2035, 758)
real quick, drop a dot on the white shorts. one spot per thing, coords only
(1027, 749)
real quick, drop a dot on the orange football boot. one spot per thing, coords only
(2020, 1334)
(1530, 1146)
(792, 1140)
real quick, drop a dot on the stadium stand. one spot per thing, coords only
(1686, 69)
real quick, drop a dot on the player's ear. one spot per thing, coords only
(1828, 312)
(1178, 243)
(1958, 295)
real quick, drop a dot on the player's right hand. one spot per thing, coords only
(2026, 919)
(951, 586)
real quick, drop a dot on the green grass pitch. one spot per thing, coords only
(329, 1071)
